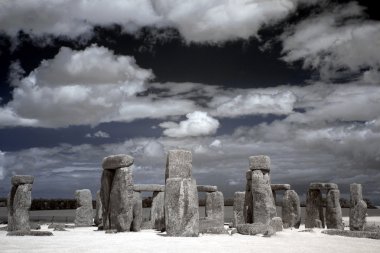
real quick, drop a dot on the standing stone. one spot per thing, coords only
(214, 220)
(358, 208)
(248, 204)
(239, 198)
(291, 209)
(276, 224)
(314, 208)
(19, 202)
(137, 212)
(84, 213)
(121, 200)
(181, 207)
(105, 191)
(99, 210)
(157, 212)
(333, 210)
(181, 195)
(263, 205)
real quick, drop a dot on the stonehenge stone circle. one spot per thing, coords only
(238, 209)
(116, 192)
(291, 209)
(84, 213)
(19, 202)
(181, 195)
(98, 220)
(262, 198)
(333, 210)
(358, 208)
(314, 206)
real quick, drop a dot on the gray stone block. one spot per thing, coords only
(157, 212)
(207, 188)
(20, 200)
(276, 224)
(181, 207)
(260, 162)
(211, 226)
(149, 188)
(280, 187)
(105, 191)
(84, 213)
(314, 209)
(291, 209)
(121, 200)
(358, 208)
(117, 161)
(98, 220)
(323, 186)
(333, 210)
(239, 198)
(178, 164)
(215, 207)
(22, 179)
(255, 228)
(137, 212)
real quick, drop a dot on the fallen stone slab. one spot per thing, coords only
(29, 233)
(323, 186)
(148, 188)
(280, 187)
(207, 188)
(255, 228)
(22, 179)
(117, 161)
(356, 234)
(260, 162)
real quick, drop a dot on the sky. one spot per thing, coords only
(297, 80)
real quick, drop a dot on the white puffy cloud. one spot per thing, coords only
(197, 20)
(253, 102)
(98, 134)
(197, 123)
(86, 87)
(336, 43)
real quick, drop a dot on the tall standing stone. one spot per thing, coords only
(181, 195)
(98, 220)
(248, 204)
(116, 192)
(214, 210)
(19, 202)
(84, 212)
(264, 208)
(333, 210)
(291, 209)
(137, 212)
(238, 218)
(314, 208)
(358, 208)
(158, 211)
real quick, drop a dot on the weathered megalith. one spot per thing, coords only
(84, 213)
(214, 220)
(137, 212)
(181, 195)
(98, 220)
(291, 209)
(248, 204)
(116, 192)
(276, 224)
(278, 187)
(207, 188)
(148, 188)
(358, 208)
(314, 208)
(333, 210)
(255, 228)
(19, 202)
(314, 205)
(157, 212)
(263, 204)
(238, 209)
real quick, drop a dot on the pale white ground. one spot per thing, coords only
(88, 240)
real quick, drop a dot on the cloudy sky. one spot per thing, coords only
(297, 80)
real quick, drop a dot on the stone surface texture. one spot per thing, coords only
(291, 209)
(179, 164)
(358, 208)
(260, 162)
(238, 209)
(22, 179)
(98, 220)
(323, 186)
(137, 212)
(207, 188)
(149, 188)
(333, 210)
(280, 187)
(157, 212)
(105, 191)
(314, 209)
(117, 161)
(84, 213)
(276, 224)
(255, 228)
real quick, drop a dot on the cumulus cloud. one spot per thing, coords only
(337, 42)
(197, 123)
(98, 134)
(197, 20)
(253, 102)
(86, 87)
